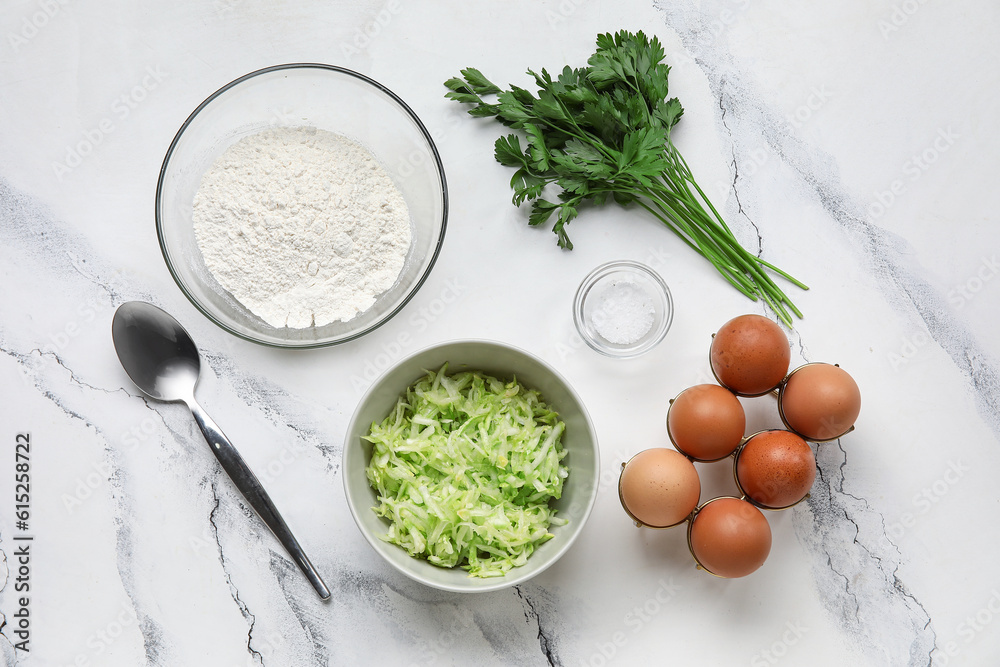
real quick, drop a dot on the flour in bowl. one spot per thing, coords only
(302, 226)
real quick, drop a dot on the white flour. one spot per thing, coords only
(303, 226)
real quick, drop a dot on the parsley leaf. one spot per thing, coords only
(603, 131)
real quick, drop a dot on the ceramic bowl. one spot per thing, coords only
(506, 362)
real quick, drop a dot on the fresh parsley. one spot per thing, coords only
(603, 132)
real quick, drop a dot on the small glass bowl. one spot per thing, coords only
(623, 309)
(294, 95)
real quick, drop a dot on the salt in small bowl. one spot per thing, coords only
(623, 309)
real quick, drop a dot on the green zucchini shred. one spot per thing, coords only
(464, 467)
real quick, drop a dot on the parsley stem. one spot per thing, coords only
(742, 261)
(706, 246)
(772, 267)
(604, 132)
(725, 236)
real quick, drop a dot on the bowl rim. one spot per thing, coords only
(512, 578)
(303, 345)
(601, 272)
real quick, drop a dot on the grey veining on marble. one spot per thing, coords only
(860, 578)
(798, 119)
(34, 238)
(857, 564)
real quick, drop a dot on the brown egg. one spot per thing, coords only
(730, 537)
(750, 355)
(776, 469)
(706, 422)
(820, 401)
(659, 487)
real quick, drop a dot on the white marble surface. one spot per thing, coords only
(799, 118)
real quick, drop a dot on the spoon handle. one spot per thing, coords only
(248, 484)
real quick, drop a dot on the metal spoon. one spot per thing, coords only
(162, 360)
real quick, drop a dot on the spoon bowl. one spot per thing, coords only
(156, 352)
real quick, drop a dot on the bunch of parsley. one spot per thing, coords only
(601, 132)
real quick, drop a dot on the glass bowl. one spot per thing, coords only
(623, 309)
(295, 95)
